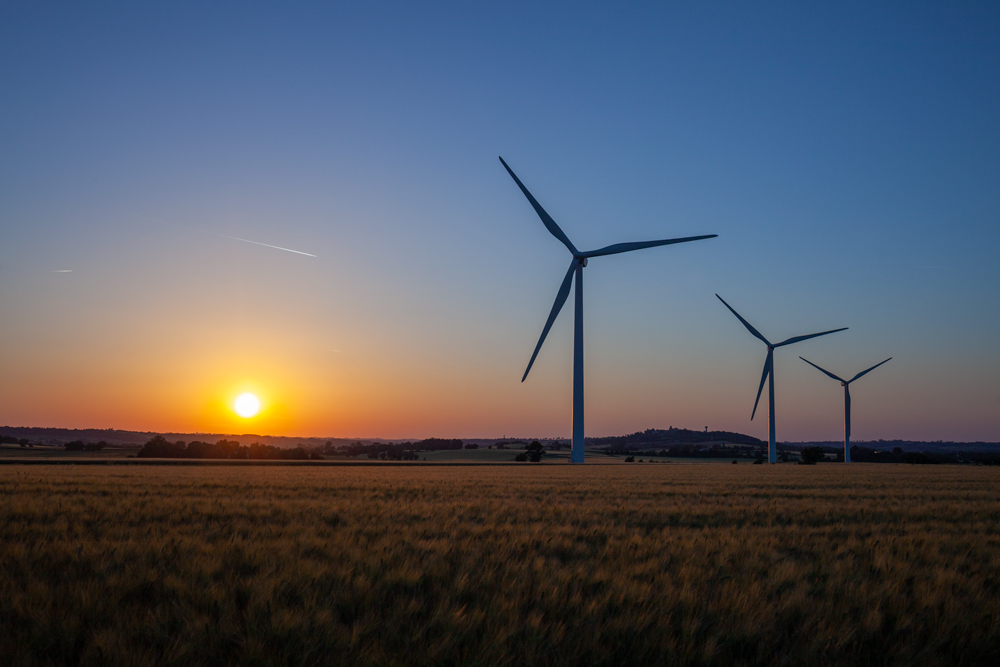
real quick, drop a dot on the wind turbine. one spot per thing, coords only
(847, 402)
(576, 269)
(768, 374)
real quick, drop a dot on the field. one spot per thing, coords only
(538, 565)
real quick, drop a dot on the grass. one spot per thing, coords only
(510, 565)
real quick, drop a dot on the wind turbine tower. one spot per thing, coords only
(847, 402)
(575, 272)
(768, 374)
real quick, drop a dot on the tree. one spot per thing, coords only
(521, 457)
(812, 455)
(535, 451)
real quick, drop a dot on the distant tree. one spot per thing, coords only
(535, 451)
(472, 445)
(75, 446)
(812, 455)
(734, 461)
(435, 444)
(521, 457)
(159, 447)
(629, 459)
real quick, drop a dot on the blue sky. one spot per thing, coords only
(848, 156)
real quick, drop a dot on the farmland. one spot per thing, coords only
(543, 565)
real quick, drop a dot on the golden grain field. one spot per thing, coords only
(487, 565)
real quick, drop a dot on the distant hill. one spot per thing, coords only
(659, 438)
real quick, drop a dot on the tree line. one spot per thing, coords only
(161, 448)
(405, 451)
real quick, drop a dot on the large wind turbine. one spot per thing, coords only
(847, 402)
(576, 269)
(768, 374)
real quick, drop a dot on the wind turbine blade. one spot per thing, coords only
(767, 370)
(823, 370)
(798, 339)
(547, 220)
(745, 323)
(867, 371)
(556, 307)
(629, 247)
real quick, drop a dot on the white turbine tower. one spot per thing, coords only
(768, 374)
(847, 402)
(576, 269)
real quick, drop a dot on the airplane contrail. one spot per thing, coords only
(63, 271)
(266, 245)
(234, 238)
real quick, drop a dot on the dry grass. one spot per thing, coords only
(553, 565)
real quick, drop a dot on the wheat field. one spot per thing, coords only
(499, 565)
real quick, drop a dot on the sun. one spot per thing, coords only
(247, 405)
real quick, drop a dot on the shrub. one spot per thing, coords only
(812, 455)
(535, 451)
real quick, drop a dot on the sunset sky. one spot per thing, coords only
(847, 155)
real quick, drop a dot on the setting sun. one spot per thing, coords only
(247, 405)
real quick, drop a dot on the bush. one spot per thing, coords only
(535, 451)
(812, 455)
(629, 459)
(521, 457)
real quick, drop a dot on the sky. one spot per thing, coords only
(847, 155)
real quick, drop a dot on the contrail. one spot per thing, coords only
(63, 271)
(234, 238)
(266, 245)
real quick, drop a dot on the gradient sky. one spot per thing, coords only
(848, 156)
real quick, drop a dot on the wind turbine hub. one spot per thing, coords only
(583, 261)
